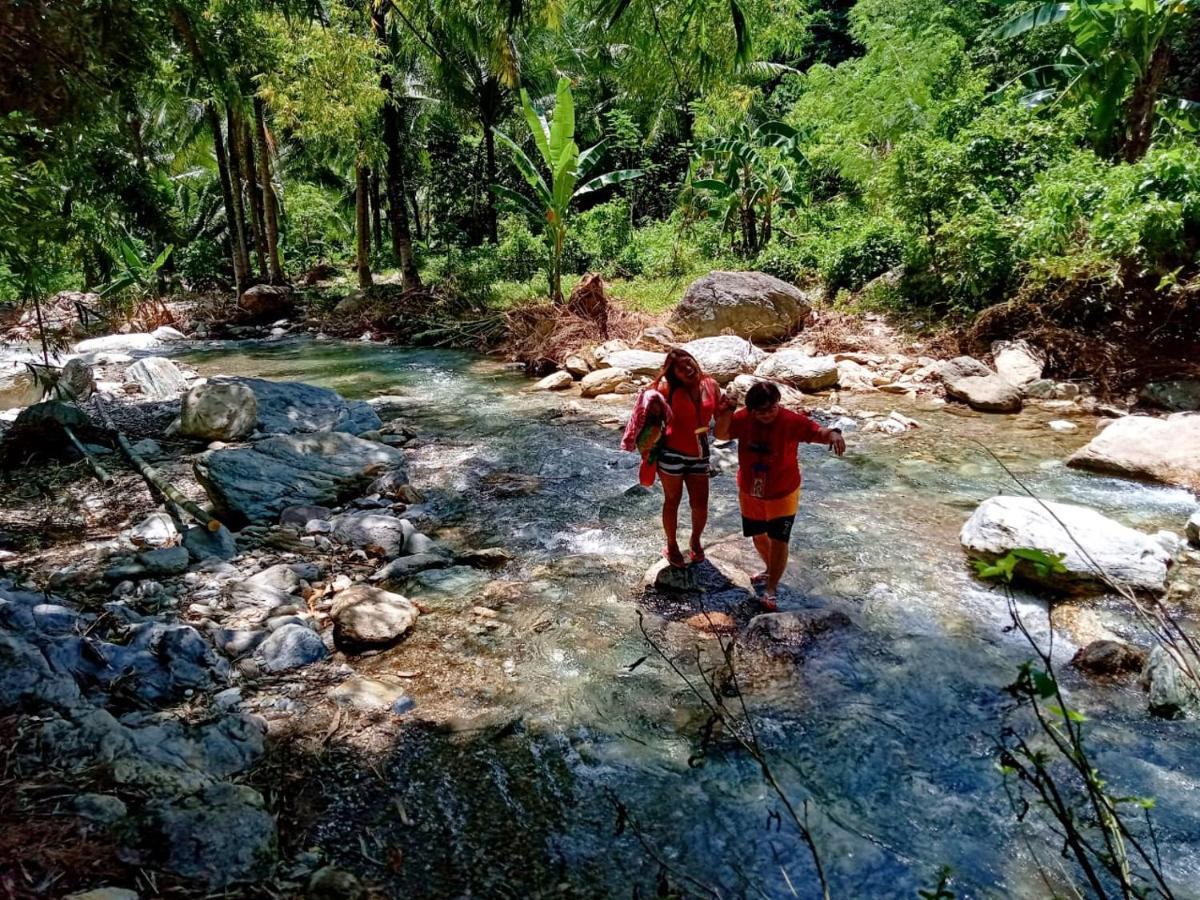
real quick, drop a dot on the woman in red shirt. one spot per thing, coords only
(694, 399)
(768, 439)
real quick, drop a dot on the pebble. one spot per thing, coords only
(1062, 425)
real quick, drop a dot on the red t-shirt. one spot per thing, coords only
(768, 466)
(687, 418)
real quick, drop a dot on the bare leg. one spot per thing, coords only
(697, 489)
(777, 560)
(672, 495)
(762, 544)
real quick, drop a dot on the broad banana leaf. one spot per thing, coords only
(1046, 14)
(520, 201)
(537, 126)
(608, 178)
(562, 126)
(528, 169)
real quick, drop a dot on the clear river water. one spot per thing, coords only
(887, 729)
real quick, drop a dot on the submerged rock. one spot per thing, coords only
(1127, 557)
(1166, 450)
(791, 631)
(1109, 659)
(752, 305)
(1172, 694)
(322, 469)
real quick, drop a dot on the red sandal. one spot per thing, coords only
(678, 555)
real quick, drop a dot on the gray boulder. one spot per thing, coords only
(752, 305)
(963, 367)
(266, 301)
(369, 615)
(986, 393)
(386, 535)
(220, 835)
(280, 576)
(322, 469)
(555, 381)
(725, 357)
(1172, 694)
(290, 647)
(400, 569)
(1166, 450)
(27, 679)
(604, 381)
(217, 411)
(1016, 362)
(292, 407)
(637, 362)
(1125, 556)
(202, 544)
(158, 377)
(797, 368)
(76, 381)
(1179, 395)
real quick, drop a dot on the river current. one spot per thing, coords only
(886, 731)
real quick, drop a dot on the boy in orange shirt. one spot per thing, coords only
(768, 439)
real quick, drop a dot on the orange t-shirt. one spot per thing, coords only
(687, 418)
(768, 466)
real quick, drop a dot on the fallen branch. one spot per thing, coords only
(156, 481)
(101, 475)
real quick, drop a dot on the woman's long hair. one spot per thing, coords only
(668, 372)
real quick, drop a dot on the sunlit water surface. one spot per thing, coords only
(888, 730)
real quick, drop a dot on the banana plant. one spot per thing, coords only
(749, 177)
(137, 275)
(555, 142)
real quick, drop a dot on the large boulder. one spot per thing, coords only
(158, 377)
(967, 379)
(1166, 450)
(1179, 395)
(363, 614)
(218, 412)
(118, 343)
(1017, 362)
(752, 305)
(1084, 537)
(219, 835)
(292, 407)
(20, 389)
(637, 362)
(604, 381)
(789, 397)
(797, 368)
(258, 483)
(725, 357)
(266, 301)
(76, 381)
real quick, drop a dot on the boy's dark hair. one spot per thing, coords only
(763, 395)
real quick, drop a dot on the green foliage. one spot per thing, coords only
(319, 226)
(555, 143)
(1042, 563)
(138, 274)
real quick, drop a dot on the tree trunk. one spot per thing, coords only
(1140, 112)
(489, 139)
(376, 212)
(394, 168)
(214, 123)
(270, 204)
(418, 225)
(250, 174)
(236, 177)
(362, 225)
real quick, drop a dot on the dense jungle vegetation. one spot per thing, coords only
(973, 151)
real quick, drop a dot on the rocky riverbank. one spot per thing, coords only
(159, 674)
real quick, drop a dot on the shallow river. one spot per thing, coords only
(887, 729)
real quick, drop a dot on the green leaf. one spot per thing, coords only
(161, 258)
(562, 127)
(609, 178)
(1039, 16)
(741, 33)
(1044, 684)
(528, 169)
(588, 158)
(537, 127)
(720, 188)
(564, 177)
(518, 200)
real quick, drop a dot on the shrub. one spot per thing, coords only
(794, 262)
(317, 227)
(854, 261)
(521, 254)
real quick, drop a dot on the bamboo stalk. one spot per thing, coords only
(150, 474)
(101, 475)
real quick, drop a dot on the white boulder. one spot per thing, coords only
(797, 368)
(217, 411)
(725, 357)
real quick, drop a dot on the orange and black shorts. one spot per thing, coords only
(774, 518)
